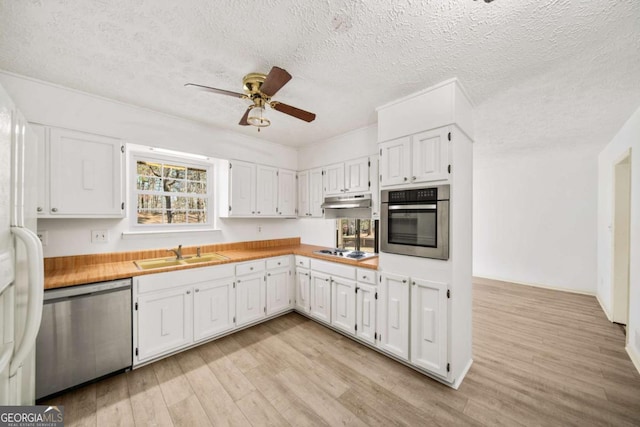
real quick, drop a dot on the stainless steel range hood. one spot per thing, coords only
(349, 206)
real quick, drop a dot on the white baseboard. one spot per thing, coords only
(463, 374)
(606, 313)
(535, 285)
(635, 357)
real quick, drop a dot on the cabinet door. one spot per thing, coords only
(430, 155)
(86, 174)
(267, 191)
(429, 325)
(303, 194)
(164, 322)
(286, 192)
(395, 161)
(242, 188)
(334, 179)
(213, 308)
(303, 283)
(316, 193)
(320, 297)
(42, 205)
(356, 175)
(366, 304)
(277, 290)
(250, 299)
(394, 315)
(343, 304)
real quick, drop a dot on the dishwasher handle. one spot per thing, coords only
(53, 295)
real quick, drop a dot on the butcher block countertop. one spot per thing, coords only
(65, 271)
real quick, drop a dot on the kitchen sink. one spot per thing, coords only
(151, 264)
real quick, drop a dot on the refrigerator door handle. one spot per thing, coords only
(35, 265)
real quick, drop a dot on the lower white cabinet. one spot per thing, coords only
(303, 286)
(320, 297)
(277, 290)
(429, 325)
(366, 310)
(165, 321)
(213, 308)
(250, 298)
(343, 304)
(394, 315)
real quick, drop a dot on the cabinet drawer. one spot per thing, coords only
(250, 267)
(302, 261)
(279, 262)
(334, 269)
(367, 276)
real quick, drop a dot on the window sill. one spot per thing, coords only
(128, 235)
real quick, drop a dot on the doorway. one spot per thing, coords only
(621, 237)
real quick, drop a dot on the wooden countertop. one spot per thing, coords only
(60, 272)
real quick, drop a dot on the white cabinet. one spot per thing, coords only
(320, 297)
(266, 191)
(374, 172)
(303, 287)
(250, 298)
(278, 275)
(366, 310)
(164, 321)
(343, 304)
(241, 189)
(393, 303)
(429, 325)
(347, 177)
(286, 192)
(414, 159)
(310, 193)
(249, 190)
(213, 308)
(80, 175)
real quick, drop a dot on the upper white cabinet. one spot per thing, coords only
(310, 193)
(347, 177)
(248, 190)
(80, 175)
(429, 325)
(418, 158)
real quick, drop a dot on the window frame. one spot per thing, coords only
(151, 156)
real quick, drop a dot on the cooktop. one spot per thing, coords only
(346, 253)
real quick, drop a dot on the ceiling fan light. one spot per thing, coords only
(257, 117)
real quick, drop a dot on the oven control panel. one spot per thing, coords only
(417, 195)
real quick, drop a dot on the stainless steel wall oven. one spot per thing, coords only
(416, 222)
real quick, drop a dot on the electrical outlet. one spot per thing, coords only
(259, 229)
(99, 236)
(43, 235)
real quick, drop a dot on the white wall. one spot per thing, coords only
(627, 137)
(54, 105)
(535, 218)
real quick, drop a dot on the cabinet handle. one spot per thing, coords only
(197, 290)
(258, 211)
(54, 209)
(346, 189)
(413, 178)
(188, 292)
(269, 274)
(39, 209)
(364, 277)
(413, 283)
(253, 212)
(278, 263)
(251, 268)
(404, 281)
(405, 178)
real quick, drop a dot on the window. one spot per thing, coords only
(346, 234)
(171, 192)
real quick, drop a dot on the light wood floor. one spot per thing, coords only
(541, 357)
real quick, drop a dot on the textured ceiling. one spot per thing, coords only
(540, 72)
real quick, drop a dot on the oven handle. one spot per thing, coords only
(415, 207)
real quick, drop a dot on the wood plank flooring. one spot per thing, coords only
(541, 358)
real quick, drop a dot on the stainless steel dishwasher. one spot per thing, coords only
(85, 334)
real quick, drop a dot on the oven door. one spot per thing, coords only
(417, 229)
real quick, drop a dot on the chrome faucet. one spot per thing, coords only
(178, 252)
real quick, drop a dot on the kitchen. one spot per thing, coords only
(100, 116)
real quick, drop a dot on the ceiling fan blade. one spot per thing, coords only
(243, 120)
(293, 111)
(276, 78)
(216, 90)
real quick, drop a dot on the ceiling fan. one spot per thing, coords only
(259, 88)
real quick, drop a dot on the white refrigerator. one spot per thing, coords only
(21, 259)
